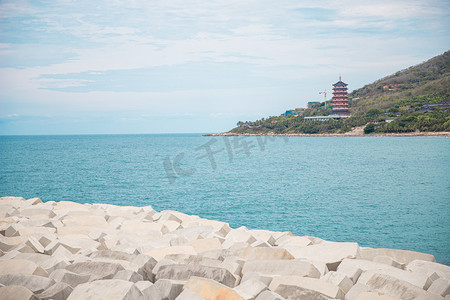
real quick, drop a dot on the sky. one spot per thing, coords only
(181, 66)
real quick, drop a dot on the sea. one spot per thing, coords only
(386, 192)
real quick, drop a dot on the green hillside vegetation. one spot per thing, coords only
(403, 99)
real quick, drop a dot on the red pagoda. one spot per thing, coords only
(339, 103)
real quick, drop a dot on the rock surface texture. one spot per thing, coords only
(67, 250)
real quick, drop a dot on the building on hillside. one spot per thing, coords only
(292, 112)
(339, 103)
(326, 118)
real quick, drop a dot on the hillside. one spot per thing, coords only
(430, 77)
(411, 100)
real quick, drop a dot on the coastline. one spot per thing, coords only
(68, 250)
(347, 134)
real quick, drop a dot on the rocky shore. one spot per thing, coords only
(67, 250)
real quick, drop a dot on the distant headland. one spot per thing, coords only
(411, 102)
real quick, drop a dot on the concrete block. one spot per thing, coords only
(375, 296)
(16, 292)
(184, 272)
(237, 236)
(126, 249)
(7, 243)
(78, 241)
(387, 260)
(12, 200)
(338, 279)
(114, 223)
(169, 289)
(264, 278)
(70, 278)
(194, 259)
(144, 265)
(36, 231)
(357, 289)
(143, 284)
(210, 289)
(58, 291)
(269, 295)
(220, 228)
(62, 253)
(264, 236)
(203, 245)
(293, 241)
(21, 266)
(170, 226)
(160, 253)
(75, 229)
(313, 284)
(23, 248)
(171, 215)
(189, 295)
(394, 286)
(231, 265)
(420, 280)
(260, 244)
(401, 256)
(353, 268)
(9, 255)
(178, 241)
(428, 267)
(330, 253)
(34, 244)
(193, 233)
(13, 230)
(47, 239)
(46, 262)
(72, 206)
(230, 245)
(148, 290)
(149, 229)
(296, 292)
(86, 220)
(163, 262)
(36, 284)
(262, 253)
(320, 266)
(108, 242)
(35, 210)
(5, 222)
(251, 288)
(128, 275)
(112, 255)
(98, 233)
(440, 287)
(106, 289)
(32, 201)
(97, 270)
(281, 267)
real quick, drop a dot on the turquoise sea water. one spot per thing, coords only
(391, 192)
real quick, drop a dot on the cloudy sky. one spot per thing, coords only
(75, 67)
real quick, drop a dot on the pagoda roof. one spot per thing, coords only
(340, 83)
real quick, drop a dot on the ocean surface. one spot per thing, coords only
(390, 192)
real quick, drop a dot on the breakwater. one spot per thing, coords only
(67, 250)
